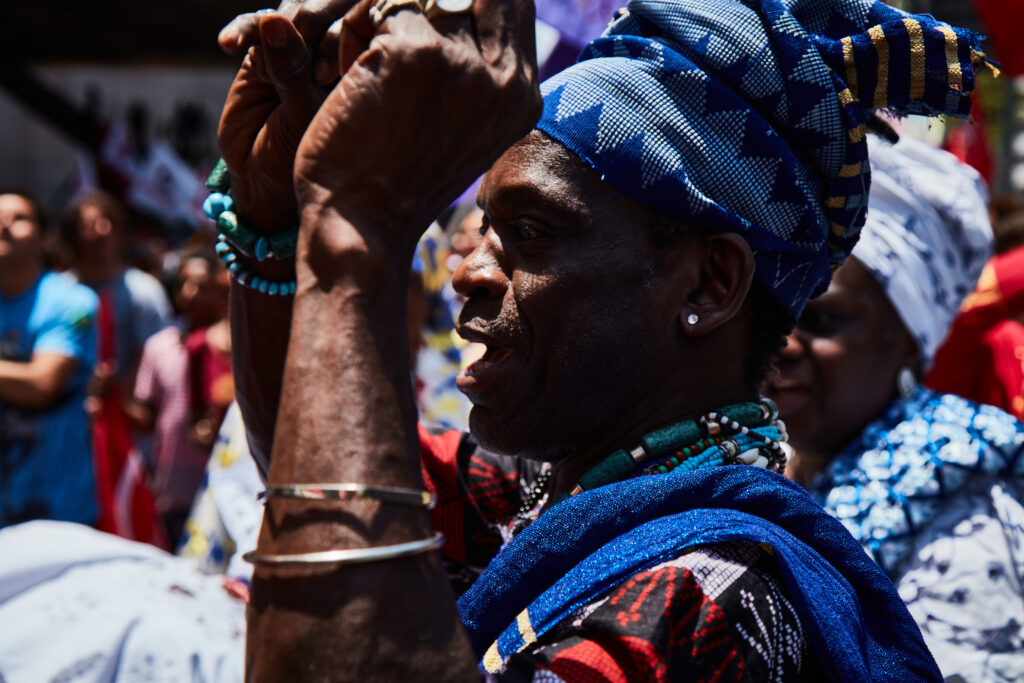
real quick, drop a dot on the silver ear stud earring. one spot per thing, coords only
(692, 319)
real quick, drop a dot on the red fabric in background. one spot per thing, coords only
(968, 141)
(1004, 20)
(126, 503)
(983, 357)
(211, 383)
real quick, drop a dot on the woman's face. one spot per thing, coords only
(838, 369)
(201, 294)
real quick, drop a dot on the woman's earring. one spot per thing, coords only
(692, 319)
(906, 383)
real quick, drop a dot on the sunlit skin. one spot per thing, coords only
(581, 312)
(21, 244)
(838, 369)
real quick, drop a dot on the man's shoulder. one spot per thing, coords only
(732, 581)
(61, 296)
(142, 285)
(718, 609)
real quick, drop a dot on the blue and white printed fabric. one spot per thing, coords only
(927, 236)
(750, 117)
(908, 464)
(934, 491)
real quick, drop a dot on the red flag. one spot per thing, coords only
(1003, 20)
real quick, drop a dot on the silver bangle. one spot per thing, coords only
(385, 494)
(348, 556)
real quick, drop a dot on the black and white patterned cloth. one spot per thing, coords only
(927, 235)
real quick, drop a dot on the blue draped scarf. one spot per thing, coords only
(582, 547)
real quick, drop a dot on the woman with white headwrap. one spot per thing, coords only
(931, 484)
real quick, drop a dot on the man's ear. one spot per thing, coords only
(724, 278)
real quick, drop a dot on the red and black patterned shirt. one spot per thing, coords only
(715, 613)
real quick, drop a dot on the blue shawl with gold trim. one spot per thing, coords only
(582, 547)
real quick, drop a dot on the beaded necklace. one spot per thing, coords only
(742, 434)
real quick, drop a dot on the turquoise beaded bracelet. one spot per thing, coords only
(220, 207)
(246, 277)
(236, 238)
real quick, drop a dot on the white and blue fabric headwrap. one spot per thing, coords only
(749, 116)
(927, 236)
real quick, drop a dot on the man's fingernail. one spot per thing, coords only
(275, 35)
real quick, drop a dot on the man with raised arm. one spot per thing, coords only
(690, 183)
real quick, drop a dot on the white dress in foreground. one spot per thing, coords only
(81, 605)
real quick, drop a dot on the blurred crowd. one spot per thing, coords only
(115, 369)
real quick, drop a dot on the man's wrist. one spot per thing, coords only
(270, 218)
(336, 246)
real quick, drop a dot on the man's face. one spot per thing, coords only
(567, 291)
(98, 236)
(21, 237)
(838, 369)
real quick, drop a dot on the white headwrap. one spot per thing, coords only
(927, 235)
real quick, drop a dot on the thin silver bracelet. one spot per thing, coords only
(348, 556)
(385, 494)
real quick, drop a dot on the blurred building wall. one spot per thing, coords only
(36, 155)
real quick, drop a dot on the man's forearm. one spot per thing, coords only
(347, 415)
(35, 384)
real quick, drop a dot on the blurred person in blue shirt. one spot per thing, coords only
(47, 351)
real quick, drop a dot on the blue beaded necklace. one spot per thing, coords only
(742, 434)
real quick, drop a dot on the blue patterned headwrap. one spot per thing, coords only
(749, 116)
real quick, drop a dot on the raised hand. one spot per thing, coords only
(269, 105)
(425, 107)
(316, 20)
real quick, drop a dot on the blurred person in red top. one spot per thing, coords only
(983, 357)
(184, 385)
